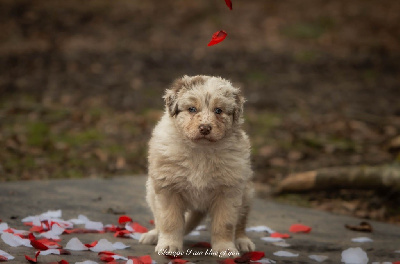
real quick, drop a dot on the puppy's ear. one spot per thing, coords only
(171, 97)
(238, 110)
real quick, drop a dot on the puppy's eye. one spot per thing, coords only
(192, 109)
(217, 111)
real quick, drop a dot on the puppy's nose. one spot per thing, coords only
(205, 129)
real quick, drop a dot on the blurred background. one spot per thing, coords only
(81, 85)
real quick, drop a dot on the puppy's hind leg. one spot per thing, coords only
(192, 220)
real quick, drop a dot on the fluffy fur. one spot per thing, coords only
(199, 163)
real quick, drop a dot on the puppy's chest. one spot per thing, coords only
(203, 170)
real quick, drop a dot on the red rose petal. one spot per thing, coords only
(81, 231)
(49, 243)
(124, 219)
(229, 4)
(299, 228)
(91, 244)
(121, 233)
(276, 234)
(138, 228)
(59, 262)
(202, 245)
(106, 253)
(177, 261)
(107, 258)
(151, 222)
(146, 259)
(227, 261)
(217, 37)
(2, 258)
(31, 260)
(31, 237)
(38, 229)
(253, 255)
(38, 245)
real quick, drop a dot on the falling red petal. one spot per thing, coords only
(217, 37)
(124, 219)
(2, 258)
(151, 222)
(229, 4)
(276, 234)
(299, 228)
(202, 245)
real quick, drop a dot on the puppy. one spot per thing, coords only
(199, 163)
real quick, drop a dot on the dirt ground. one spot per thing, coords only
(81, 85)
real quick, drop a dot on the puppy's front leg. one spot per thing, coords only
(224, 213)
(170, 222)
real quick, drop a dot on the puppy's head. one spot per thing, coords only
(204, 108)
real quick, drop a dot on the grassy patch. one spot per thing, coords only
(308, 30)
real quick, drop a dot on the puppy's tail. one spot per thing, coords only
(192, 220)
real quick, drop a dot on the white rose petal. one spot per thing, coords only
(75, 244)
(354, 256)
(318, 258)
(5, 254)
(103, 245)
(362, 239)
(261, 228)
(285, 254)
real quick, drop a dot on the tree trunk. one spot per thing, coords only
(359, 177)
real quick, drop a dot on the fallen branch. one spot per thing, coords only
(360, 177)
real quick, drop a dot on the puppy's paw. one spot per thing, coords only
(169, 247)
(149, 238)
(244, 244)
(226, 250)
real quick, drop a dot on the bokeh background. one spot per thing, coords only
(81, 85)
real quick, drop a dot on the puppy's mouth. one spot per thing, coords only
(204, 139)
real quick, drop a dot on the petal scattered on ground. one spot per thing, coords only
(261, 228)
(362, 239)
(318, 258)
(285, 254)
(354, 256)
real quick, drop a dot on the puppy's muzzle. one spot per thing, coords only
(205, 129)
